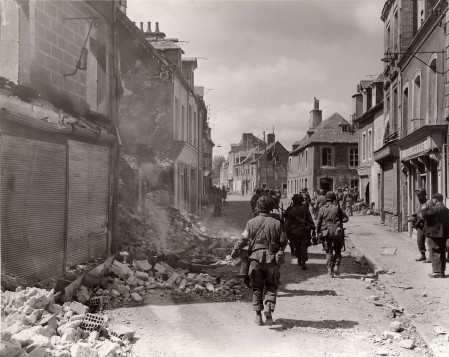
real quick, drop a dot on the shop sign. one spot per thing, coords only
(421, 147)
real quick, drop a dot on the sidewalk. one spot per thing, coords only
(425, 301)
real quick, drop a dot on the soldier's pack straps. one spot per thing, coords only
(257, 234)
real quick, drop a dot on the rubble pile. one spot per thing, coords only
(161, 230)
(34, 325)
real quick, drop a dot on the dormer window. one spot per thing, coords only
(345, 128)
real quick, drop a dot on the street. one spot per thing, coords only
(315, 315)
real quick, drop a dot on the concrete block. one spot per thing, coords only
(136, 297)
(121, 270)
(407, 343)
(168, 267)
(78, 308)
(209, 287)
(161, 269)
(139, 289)
(140, 282)
(108, 349)
(143, 265)
(141, 275)
(392, 335)
(82, 350)
(199, 287)
(182, 284)
(122, 331)
(191, 276)
(172, 278)
(123, 289)
(131, 281)
(396, 326)
(8, 349)
(151, 286)
(178, 280)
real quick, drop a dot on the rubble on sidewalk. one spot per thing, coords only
(34, 325)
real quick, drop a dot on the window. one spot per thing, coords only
(395, 31)
(354, 157)
(97, 92)
(183, 120)
(363, 147)
(405, 112)
(176, 126)
(395, 111)
(306, 160)
(344, 128)
(370, 143)
(416, 108)
(326, 157)
(432, 93)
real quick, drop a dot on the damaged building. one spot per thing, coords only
(58, 118)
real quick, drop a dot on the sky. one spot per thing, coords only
(263, 62)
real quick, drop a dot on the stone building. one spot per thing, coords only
(368, 118)
(327, 156)
(163, 115)
(415, 136)
(59, 128)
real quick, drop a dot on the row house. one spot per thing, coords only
(326, 158)
(247, 171)
(415, 135)
(208, 146)
(223, 181)
(163, 115)
(59, 132)
(368, 118)
(237, 154)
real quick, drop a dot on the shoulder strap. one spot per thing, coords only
(253, 241)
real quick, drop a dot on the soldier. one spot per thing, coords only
(274, 199)
(330, 228)
(266, 240)
(298, 225)
(278, 193)
(436, 229)
(306, 196)
(254, 201)
(216, 194)
(350, 202)
(320, 201)
(418, 223)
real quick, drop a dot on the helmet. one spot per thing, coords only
(297, 198)
(330, 196)
(264, 204)
(304, 189)
(321, 191)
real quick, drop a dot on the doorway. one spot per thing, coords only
(327, 184)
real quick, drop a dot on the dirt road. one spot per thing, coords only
(315, 315)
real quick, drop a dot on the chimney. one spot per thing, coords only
(122, 6)
(271, 139)
(148, 27)
(141, 26)
(157, 27)
(316, 115)
(157, 33)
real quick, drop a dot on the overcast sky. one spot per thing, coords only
(266, 61)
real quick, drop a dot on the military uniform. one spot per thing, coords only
(331, 236)
(265, 237)
(436, 229)
(299, 233)
(320, 202)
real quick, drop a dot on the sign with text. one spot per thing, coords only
(421, 147)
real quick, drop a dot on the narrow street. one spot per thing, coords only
(315, 315)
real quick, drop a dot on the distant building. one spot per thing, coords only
(368, 118)
(327, 157)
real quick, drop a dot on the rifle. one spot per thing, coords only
(303, 221)
(340, 218)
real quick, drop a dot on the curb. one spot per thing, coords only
(387, 282)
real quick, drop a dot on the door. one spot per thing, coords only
(88, 201)
(33, 202)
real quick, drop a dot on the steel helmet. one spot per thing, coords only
(330, 196)
(264, 204)
(297, 198)
(321, 191)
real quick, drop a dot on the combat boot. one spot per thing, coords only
(269, 308)
(258, 320)
(337, 270)
(330, 272)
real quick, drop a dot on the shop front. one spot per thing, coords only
(422, 164)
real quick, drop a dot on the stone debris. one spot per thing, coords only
(396, 326)
(407, 343)
(440, 330)
(34, 325)
(392, 335)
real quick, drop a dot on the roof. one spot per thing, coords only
(328, 131)
(166, 45)
(365, 84)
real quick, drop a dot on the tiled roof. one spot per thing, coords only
(328, 131)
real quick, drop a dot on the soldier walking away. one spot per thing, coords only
(299, 225)
(306, 197)
(266, 240)
(436, 229)
(418, 223)
(254, 199)
(278, 193)
(216, 194)
(320, 201)
(330, 231)
(224, 194)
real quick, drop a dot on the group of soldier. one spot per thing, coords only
(218, 197)
(431, 221)
(268, 233)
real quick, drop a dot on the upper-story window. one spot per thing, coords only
(395, 111)
(97, 89)
(326, 156)
(395, 32)
(416, 107)
(344, 128)
(370, 143)
(306, 160)
(432, 93)
(405, 103)
(353, 157)
(363, 146)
